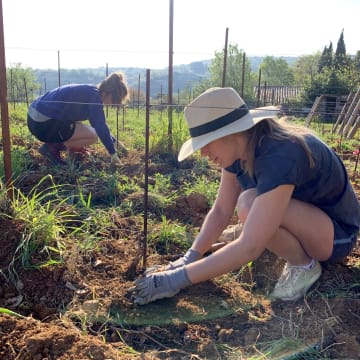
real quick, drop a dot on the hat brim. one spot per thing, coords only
(242, 124)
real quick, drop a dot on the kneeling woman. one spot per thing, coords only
(291, 192)
(56, 118)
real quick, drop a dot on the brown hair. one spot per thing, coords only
(115, 85)
(278, 130)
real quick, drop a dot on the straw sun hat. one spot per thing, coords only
(216, 113)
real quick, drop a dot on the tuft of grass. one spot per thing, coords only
(45, 217)
(205, 186)
(169, 234)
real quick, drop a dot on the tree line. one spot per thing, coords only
(326, 72)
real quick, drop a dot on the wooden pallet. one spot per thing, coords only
(348, 120)
(314, 110)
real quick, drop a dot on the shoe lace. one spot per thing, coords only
(289, 276)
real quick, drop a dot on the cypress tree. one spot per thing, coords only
(326, 59)
(357, 61)
(340, 59)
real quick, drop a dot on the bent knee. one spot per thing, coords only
(244, 203)
(93, 138)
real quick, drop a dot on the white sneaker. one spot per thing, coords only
(295, 281)
(231, 233)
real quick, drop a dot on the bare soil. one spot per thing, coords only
(82, 309)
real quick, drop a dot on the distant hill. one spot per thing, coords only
(183, 76)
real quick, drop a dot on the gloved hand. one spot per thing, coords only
(114, 159)
(122, 149)
(189, 257)
(120, 146)
(160, 285)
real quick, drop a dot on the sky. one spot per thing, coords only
(135, 33)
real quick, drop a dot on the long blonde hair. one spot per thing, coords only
(115, 85)
(278, 130)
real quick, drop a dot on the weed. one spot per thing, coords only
(45, 218)
(10, 312)
(169, 234)
(205, 186)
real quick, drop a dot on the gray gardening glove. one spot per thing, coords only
(114, 159)
(120, 146)
(189, 257)
(160, 285)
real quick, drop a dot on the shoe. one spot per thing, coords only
(78, 154)
(80, 151)
(52, 152)
(295, 281)
(231, 233)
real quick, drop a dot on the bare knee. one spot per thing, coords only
(244, 203)
(93, 138)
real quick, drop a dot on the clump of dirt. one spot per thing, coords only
(189, 209)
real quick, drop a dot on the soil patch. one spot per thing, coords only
(82, 309)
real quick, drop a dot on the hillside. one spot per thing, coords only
(183, 75)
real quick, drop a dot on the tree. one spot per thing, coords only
(340, 58)
(357, 61)
(233, 77)
(21, 83)
(276, 72)
(337, 74)
(326, 59)
(305, 68)
(329, 81)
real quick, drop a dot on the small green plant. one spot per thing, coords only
(163, 188)
(10, 312)
(20, 160)
(168, 234)
(162, 184)
(45, 216)
(205, 186)
(159, 136)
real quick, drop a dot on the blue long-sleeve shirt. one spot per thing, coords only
(74, 102)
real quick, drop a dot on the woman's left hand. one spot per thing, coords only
(114, 159)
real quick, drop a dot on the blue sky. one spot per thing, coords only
(121, 33)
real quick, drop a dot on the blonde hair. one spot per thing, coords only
(115, 85)
(278, 130)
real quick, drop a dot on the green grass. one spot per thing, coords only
(44, 216)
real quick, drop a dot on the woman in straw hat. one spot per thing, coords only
(290, 190)
(56, 118)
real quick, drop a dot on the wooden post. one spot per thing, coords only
(225, 58)
(4, 108)
(59, 80)
(170, 76)
(243, 75)
(146, 171)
